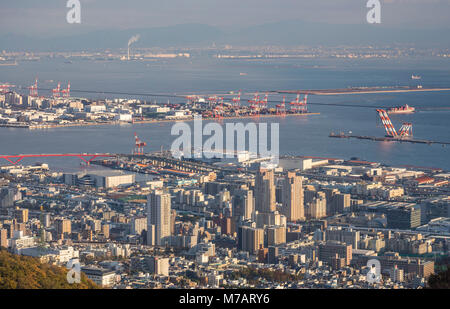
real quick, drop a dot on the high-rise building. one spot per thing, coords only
(269, 219)
(63, 227)
(105, 230)
(317, 208)
(173, 218)
(332, 250)
(250, 239)
(21, 215)
(138, 224)
(403, 217)
(276, 235)
(292, 197)
(265, 190)
(341, 203)
(348, 236)
(158, 218)
(46, 220)
(8, 196)
(396, 274)
(272, 257)
(243, 203)
(3, 238)
(157, 265)
(249, 205)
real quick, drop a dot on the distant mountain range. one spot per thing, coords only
(287, 33)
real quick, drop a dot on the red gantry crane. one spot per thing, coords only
(57, 91)
(66, 92)
(404, 132)
(218, 109)
(263, 103)
(254, 103)
(294, 104)
(237, 100)
(281, 108)
(138, 146)
(4, 88)
(298, 106)
(34, 89)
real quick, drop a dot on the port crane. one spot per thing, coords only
(281, 108)
(4, 88)
(237, 100)
(404, 132)
(254, 103)
(263, 103)
(57, 91)
(66, 92)
(298, 106)
(34, 89)
(218, 109)
(138, 145)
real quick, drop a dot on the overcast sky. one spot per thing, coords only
(48, 17)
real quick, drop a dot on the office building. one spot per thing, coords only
(3, 238)
(8, 196)
(347, 236)
(158, 218)
(157, 265)
(317, 208)
(63, 227)
(100, 179)
(265, 190)
(272, 256)
(397, 274)
(292, 197)
(138, 225)
(276, 235)
(329, 251)
(101, 277)
(21, 215)
(250, 239)
(403, 217)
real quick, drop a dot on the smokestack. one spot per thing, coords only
(132, 40)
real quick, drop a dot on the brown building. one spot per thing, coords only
(262, 254)
(276, 235)
(250, 239)
(292, 197)
(410, 266)
(21, 215)
(332, 249)
(105, 230)
(3, 238)
(63, 226)
(265, 190)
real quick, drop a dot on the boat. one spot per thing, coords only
(415, 77)
(405, 109)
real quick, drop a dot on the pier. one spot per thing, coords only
(389, 139)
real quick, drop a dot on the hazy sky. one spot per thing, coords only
(48, 17)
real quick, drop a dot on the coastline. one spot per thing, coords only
(87, 124)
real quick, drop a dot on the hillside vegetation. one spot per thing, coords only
(22, 272)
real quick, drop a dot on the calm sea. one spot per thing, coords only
(298, 135)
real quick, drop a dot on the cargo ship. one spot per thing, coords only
(405, 109)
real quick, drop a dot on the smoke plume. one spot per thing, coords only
(133, 39)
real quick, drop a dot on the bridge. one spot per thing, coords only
(86, 157)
